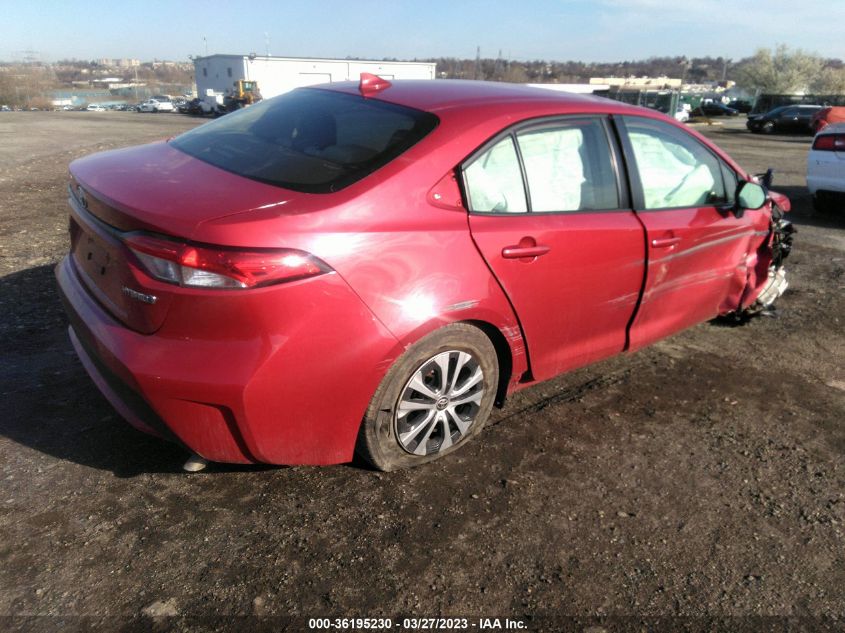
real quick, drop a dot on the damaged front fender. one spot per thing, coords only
(767, 279)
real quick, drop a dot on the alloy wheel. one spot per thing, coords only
(439, 403)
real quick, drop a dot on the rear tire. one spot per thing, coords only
(435, 398)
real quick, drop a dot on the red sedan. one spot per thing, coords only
(371, 267)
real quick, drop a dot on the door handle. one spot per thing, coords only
(518, 252)
(665, 242)
(527, 250)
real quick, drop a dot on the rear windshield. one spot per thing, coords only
(311, 140)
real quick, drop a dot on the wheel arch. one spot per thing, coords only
(505, 335)
(504, 357)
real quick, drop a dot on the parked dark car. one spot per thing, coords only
(196, 107)
(740, 105)
(791, 118)
(714, 108)
(189, 107)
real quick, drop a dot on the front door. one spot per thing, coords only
(697, 245)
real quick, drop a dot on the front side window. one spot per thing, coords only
(674, 169)
(311, 140)
(731, 183)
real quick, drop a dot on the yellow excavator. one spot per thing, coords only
(243, 94)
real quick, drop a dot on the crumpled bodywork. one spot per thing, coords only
(766, 277)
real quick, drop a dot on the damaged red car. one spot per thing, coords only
(370, 267)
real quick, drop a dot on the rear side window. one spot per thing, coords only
(494, 180)
(309, 140)
(566, 165)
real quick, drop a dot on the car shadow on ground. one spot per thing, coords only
(52, 406)
(802, 209)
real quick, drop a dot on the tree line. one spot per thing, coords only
(780, 70)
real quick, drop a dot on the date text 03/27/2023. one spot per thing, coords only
(416, 624)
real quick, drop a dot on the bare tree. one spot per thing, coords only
(830, 81)
(782, 71)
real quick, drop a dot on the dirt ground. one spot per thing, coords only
(696, 485)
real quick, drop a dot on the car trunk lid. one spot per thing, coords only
(158, 188)
(154, 189)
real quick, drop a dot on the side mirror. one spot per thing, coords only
(766, 179)
(749, 196)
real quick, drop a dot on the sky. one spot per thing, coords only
(581, 30)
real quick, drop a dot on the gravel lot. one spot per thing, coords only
(696, 485)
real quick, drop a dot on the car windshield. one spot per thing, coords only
(310, 140)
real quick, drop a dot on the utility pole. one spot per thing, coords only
(477, 61)
(685, 65)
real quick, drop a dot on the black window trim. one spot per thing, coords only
(637, 192)
(616, 159)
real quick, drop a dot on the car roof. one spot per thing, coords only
(440, 95)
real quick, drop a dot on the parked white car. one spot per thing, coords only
(95, 107)
(826, 169)
(156, 105)
(681, 114)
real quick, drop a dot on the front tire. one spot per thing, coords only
(436, 397)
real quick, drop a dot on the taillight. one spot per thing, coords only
(204, 266)
(830, 143)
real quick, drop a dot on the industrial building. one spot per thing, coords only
(215, 74)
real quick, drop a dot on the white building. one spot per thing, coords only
(215, 74)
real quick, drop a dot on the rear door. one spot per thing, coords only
(804, 118)
(697, 245)
(552, 218)
(795, 118)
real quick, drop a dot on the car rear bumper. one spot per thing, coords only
(293, 393)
